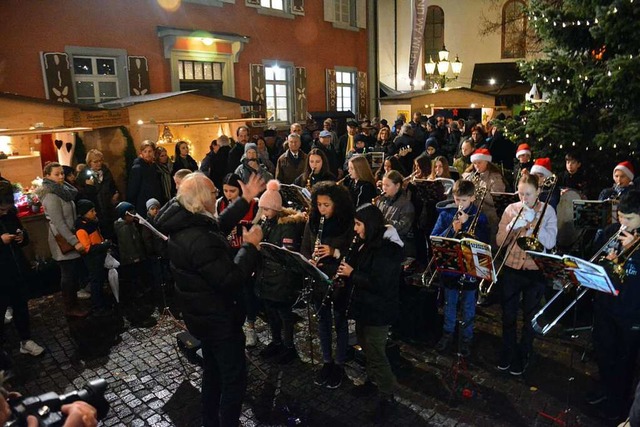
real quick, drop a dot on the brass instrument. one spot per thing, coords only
(409, 178)
(485, 286)
(616, 265)
(481, 193)
(599, 255)
(376, 199)
(531, 243)
(318, 241)
(342, 180)
(309, 179)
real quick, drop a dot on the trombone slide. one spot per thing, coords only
(542, 330)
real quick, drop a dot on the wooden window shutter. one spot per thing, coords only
(363, 103)
(361, 13)
(332, 90)
(254, 3)
(139, 83)
(258, 87)
(297, 7)
(301, 94)
(57, 76)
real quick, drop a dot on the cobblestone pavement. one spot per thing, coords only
(151, 382)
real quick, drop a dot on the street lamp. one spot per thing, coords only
(442, 66)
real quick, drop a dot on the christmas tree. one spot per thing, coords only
(589, 78)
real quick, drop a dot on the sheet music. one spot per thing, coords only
(147, 224)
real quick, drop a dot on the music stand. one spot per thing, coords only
(375, 158)
(473, 258)
(296, 263)
(502, 200)
(582, 274)
(296, 197)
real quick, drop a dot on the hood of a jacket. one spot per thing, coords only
(391, 234)
(291, 216)
(173, 217)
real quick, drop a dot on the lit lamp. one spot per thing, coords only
(442, 66)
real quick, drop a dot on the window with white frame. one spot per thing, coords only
(346, 90)
(343, 10)
(200, 70)
(273, 4)
(278, 93)
(95, 79)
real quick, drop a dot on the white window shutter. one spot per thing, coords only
(329, 11)
(361, 13)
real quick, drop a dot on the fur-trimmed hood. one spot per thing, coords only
(291, 216)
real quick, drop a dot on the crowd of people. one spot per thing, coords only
(367, 226)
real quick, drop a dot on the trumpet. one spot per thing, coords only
(376, 199)
(409, 178)
(611, 244)
(481, 193)
(309, 179)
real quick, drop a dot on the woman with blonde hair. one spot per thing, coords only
(360, 182)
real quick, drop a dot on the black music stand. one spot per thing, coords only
(296, 263)
(502, 200)
(591, 214)
(586, 275)
(296, 197)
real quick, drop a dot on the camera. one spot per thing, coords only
(46, 407)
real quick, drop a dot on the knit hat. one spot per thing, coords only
(123, 208)
(250, 146)
(360, 138)
(627, 168)
(271, 198)
(83, 206)
(523, 149)
(152, 202)
(481, 154)
(325, 133)
(542, 166)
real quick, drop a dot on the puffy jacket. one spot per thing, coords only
(376, 282)
(209, 279)
(274, 281)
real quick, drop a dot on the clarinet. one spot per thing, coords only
(337, 281)
(318, 241)
(265, 228)
(353, 288)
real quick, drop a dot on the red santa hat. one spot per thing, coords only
(481, 154)
(542, 166)
(523, 149)
(627, 168)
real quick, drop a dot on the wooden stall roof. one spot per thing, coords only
(459, 97)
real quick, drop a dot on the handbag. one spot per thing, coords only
(65, 247)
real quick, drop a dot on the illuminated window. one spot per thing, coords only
(273, 4)
(95, 79)
(278, 83)
(514, 29)
(346, 91)
(200, 70)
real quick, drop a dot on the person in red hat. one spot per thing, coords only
(483, 170)
(623, 175)
(525, 162)
(542, 169)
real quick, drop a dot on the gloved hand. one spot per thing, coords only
(529, 214)
(521, 222)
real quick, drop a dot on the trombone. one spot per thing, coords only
(542, 330)
(532, 243)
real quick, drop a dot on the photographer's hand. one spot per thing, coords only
(5, 411)
(80, 414)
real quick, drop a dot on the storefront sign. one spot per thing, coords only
(97, 119)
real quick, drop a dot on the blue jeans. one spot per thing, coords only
(468, 303)
(326, 316)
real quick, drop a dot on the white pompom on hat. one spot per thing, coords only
(627, 168)
(542, 166)
(271, 198)
(523, 149)
(481, 154)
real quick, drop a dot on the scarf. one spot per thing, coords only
(165, 177)
(66, 191)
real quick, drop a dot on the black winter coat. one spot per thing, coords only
(144, 184)
(215, 165)
(13, 264)
(274, 282)
(209, 278)
(376, 282)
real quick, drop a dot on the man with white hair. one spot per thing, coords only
(209, 283)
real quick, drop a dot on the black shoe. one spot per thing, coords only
(288, 356)
(444, 343)
(335, 379)
(324, 374)
(518, 366)
(271, 350)
(367, 389)
(465, 348)
(595, 397)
